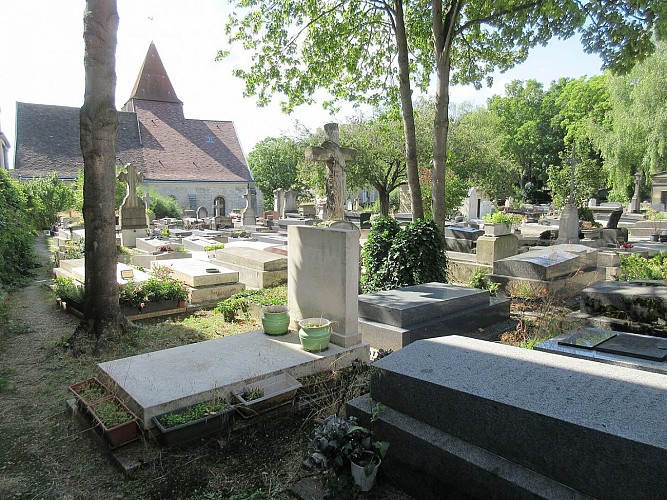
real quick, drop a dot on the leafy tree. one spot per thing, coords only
(380, 159)
(273, 163)
(46, 197)
(17, 257)
(77, 187)
(99, 128)
(163, 206)
(633, 137)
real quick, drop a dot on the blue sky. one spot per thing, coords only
(42, 62)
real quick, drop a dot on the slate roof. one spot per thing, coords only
(47, 140)
(153, 134)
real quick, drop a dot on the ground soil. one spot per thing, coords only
(46, 453)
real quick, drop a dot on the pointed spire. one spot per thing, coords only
(153, 84)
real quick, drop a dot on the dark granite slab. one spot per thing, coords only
(587, 338)
(637, 346)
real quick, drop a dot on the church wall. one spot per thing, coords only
(205, 193)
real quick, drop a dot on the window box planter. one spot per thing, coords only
(496, 229)
(117, 423)
(275, 391)
(89, 392)
(205, 420)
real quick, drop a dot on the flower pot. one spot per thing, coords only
(193, 429)
(275, 320)
(277, 390)
(89, 392)
(497, 229)
(117, 433)
(365, 471)
(314, 334)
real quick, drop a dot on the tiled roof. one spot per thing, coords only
(47, 140)
(194, 150)
(153, 83)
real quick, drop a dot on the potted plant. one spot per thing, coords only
(314, 334)
(154, 294)
(343, 447)
(497, 223)
(117, 422)
(89, 392)
(275, 319)
(210, 249)
(266, 394)
(193, 422)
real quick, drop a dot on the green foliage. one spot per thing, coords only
(75, 249)
(163, 206)
(46, 197)
(636, 267)
(194, 413)
(17, 256)
(273, 163)
(253, 393)
(217, 246)
(498, 217)
(395, 257)
(111, 413)
(652, 214)
(480, 281)
(154, 289)
(240, 302)
(67, 289)
(376, 252)
(77, 187)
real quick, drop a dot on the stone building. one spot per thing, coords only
(200, 163)
(659, 189)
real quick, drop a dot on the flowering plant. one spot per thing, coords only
(154, 289)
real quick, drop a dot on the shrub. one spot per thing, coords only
(154, 289)
(376, 252)
(46, 197)
(480, 281)
(164, 206)
(217, 246)
(240, 302)
(636, 267)
(67, 289)
(499, 218)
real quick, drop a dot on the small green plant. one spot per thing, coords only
(75, 249)
(67, 289)
(92, 392)
(195, 413)
(636, 267)
(240, 302)
(154, 289)
(652, 214)
(210, 248)
(111, 414)
(499, 218)
(526, 290)
(252, 393)
(164, 232)
(480, 281)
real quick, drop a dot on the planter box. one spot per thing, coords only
(278, 390)
(150, 307)
(183, 433)
(89, 392)
(496, 229)
(120, 434)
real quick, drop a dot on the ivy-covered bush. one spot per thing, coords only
(409, 256)
(17, 257)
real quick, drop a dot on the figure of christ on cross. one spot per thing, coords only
(335, 157)
(131, 177)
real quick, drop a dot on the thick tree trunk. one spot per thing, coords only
(384, 201)
(443, 33)
(98, 129)
(408, 114)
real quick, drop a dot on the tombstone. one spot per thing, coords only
(202, 213)
(290, 202)
(635, 203)
(446, 404)
(614, 218)
(133, 219)
(392, 319)
(279, 202)
(323, 278)
(568, 226)
(256, 268)
(248, 217)
(334, 157)
(404, 201)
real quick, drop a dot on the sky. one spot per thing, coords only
(41, 56)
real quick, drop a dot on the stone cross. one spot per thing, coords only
(147, 200)
(335, 157)
(636, 204)
(131, 177)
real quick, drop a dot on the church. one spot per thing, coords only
(200, 163)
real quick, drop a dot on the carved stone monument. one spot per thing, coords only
(335, 157)
(279, 202)
(248, 216)
(133, 219)
(635, 203)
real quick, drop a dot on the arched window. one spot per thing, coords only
(219, 207)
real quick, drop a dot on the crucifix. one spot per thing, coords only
(334, 157)
(131, 177)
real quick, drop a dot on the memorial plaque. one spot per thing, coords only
(637, 346)
(587, 339)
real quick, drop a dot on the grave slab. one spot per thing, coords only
(170, 379)
(547, 263)
(197, 243)
(76, 269)
(197, 273)
(256, 268)
(569, 411)
(641, 301)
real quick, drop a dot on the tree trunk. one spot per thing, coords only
(384, 201)
(408, 114)
(98, 129)
(443, 33)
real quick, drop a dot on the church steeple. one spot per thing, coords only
(153, 84)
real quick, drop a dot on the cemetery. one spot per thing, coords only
(426, 300)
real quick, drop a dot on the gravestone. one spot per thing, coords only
(202, 213)
(486, 420)
(133, 219)
(614, 217)
(290, 202)
(248, 217)
(635, 203)
(323, 278)
(334, 157)
(392, 319)
(279, 202)
(568, 226)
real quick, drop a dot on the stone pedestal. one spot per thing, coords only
(493, 248)
(323, 279)
(568, 227)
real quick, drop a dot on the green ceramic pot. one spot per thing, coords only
(275, 320)
(314, 334)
